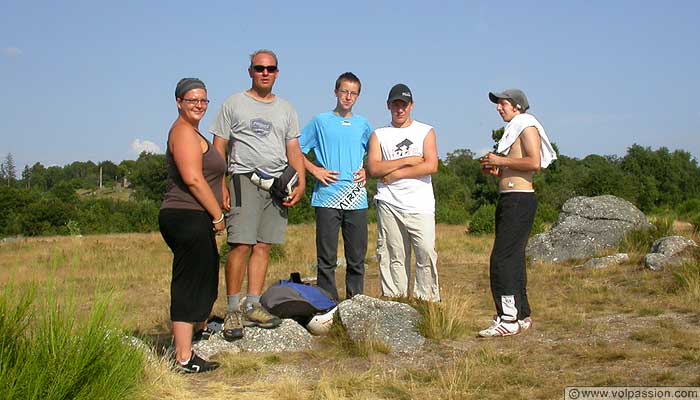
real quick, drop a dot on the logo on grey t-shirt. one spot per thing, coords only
(261, 127)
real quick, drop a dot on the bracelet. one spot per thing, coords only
(218, 220)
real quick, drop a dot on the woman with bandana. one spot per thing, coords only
(189, 218)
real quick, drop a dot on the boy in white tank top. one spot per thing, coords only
(403, 156)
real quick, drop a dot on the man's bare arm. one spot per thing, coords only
(221, 145)
(531, 160)
(378, 167)
(428, 166)
(296, 161)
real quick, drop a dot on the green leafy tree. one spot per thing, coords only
(110, 173)
(65, 191)
(38, 177)
(149, 176)
(26, 177)
(54, 176)
(13, 203)
(454, 197)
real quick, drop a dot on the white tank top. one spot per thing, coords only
(412, 195)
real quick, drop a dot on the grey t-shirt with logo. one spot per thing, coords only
(257, 133)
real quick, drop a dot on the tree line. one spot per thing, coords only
(45, 200)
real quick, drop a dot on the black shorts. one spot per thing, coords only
(195, 281)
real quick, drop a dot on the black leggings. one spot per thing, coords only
(515, 214)
(190, 236)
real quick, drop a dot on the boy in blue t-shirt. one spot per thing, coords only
(339, 141)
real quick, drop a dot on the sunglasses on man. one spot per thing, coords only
(271, 69)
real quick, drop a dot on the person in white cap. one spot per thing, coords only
(521, 152)
(404, 156)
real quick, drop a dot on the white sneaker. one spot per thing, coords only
(525, 323)
(501, 328)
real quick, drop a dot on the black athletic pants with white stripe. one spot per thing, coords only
(515, 214)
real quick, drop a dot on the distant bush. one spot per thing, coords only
(61, 212)
(47, 216)
(545, 216)
(453, 198)
(689, 208)
(482, 221)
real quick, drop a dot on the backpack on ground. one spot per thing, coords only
(296, 300)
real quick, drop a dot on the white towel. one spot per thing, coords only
(515, 127)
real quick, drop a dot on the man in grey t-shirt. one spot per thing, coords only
(259, 131)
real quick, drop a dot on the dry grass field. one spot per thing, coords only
(619, 326)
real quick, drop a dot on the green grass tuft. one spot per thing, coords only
(687, 277)
(57, 357)
(444, 320)
(639, 241)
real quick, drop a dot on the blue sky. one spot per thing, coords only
(86, 80)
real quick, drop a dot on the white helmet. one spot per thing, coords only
(320, 324)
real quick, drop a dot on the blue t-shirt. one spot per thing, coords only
(340, 144)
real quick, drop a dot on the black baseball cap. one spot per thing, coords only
(400, 92)
(516, 97)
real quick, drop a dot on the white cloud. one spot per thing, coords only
(10, 52)
(138, 146)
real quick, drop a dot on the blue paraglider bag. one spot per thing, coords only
(296, 300)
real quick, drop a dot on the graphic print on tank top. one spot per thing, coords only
(403, 148)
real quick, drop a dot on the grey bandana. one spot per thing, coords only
(187, 84)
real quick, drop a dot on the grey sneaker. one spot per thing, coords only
(256, 315)
(233, 326)
(525, 323)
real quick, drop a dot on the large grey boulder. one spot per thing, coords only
(288, 337)
(667, 251)
(586, 227)
(392, 323)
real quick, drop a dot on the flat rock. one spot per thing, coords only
(605, 262)
(288, 337)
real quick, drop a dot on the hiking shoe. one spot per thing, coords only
(501, 328)
(196, 365)
(525, 323)
(233, 326)
(256, 315)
